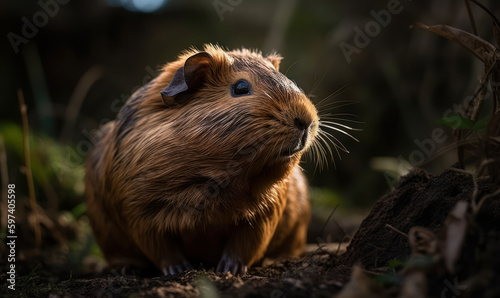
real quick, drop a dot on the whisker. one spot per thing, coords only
(335, 145)
(313, 159)
(328, 147)
(342, 125)
(315, 150)
(338, 114)
(340, 105)
(336, 92)
(322, 152)
(316, 85)
(317, 160)
(339, 118)
(342, 119)
(322, 159)
(312, 156)
(338, 145)
(322, 104)
(322, 146)
(318, 157)
(339, 130)
(289, 67)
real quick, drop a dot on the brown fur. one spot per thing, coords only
(203, 181)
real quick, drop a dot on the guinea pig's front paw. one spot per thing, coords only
(231, 264)
(176, 268)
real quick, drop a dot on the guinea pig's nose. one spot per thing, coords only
(304, 127)
(302, 124)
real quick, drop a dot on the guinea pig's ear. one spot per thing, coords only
(275, 59)
(187, 79)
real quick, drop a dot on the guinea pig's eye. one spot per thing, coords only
(241, 88)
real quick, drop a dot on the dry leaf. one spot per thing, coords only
(490, 56)
(482, 49)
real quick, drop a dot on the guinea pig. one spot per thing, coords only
(201, 166)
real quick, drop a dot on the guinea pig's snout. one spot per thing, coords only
(304, 130)
(302, 127)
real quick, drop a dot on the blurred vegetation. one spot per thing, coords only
(59, 178)
(79, 69)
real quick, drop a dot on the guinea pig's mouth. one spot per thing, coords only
(289, 152)
(298, 143)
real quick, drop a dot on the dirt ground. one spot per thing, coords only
(310, 276)
(416, 242)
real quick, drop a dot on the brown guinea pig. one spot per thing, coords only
(201, 166)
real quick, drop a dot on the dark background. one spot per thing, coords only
(91, 55)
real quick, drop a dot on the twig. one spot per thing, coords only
(77, 98)
(53, 227)
(493, 17)
(478, 203)
(29, 173)
(472, 103)
(475, 104)
(486, 197)
(371, 272)
(396, 230)
(474, 181)
(445, 149)
(341, 228)
(475, 202)
(482, 91)
(340, 243)
(5, 181)
(471, 17)
(327, 220)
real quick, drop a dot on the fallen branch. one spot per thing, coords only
(396, 230)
